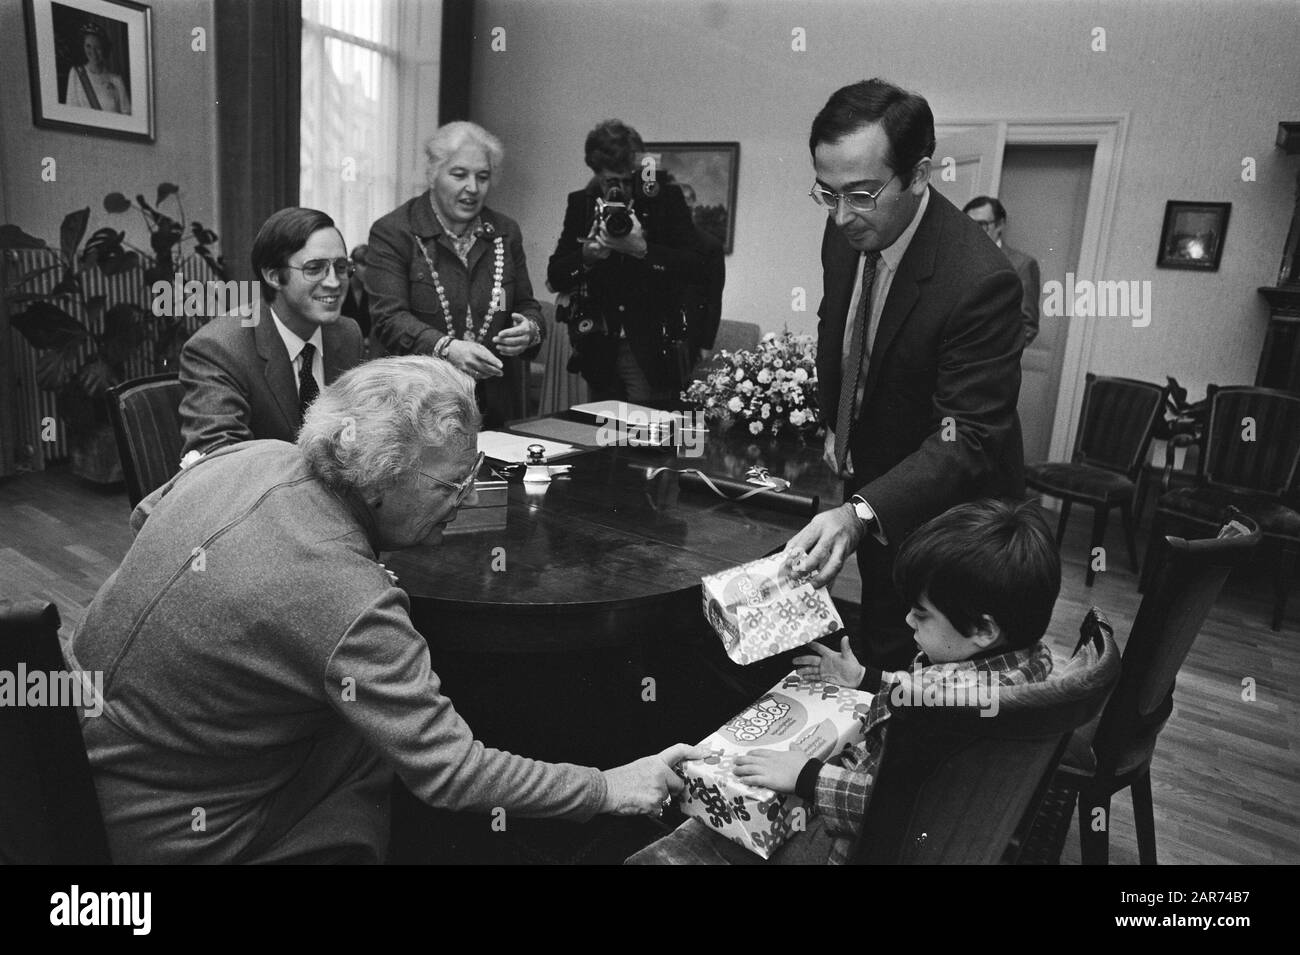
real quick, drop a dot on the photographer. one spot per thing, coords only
(624, 257)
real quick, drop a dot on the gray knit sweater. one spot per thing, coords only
(262, 681)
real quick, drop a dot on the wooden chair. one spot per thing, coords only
(1110, 448)
(49, 813)
(1114, 752)
(953, 784)
(1249, 460)
(146, 420)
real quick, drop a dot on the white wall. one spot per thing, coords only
(89, 167)
(1205, 83)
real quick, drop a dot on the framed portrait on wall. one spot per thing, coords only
(91, 65)
(1192, 236)
(706, 173)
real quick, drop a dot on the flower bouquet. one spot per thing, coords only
(768, 392)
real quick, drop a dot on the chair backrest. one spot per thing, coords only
(561, 389)
(737, 336)
(1116, 422)
(1188, 577)
(48, 809)
(146, 419)
(953, 784)
(1252, 440)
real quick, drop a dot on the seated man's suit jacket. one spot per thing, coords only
(938, 423)
(240, 385)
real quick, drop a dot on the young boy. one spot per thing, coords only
(982, 579)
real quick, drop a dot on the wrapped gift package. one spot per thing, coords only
(812, 716)
(761, 609)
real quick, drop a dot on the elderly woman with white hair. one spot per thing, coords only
(262, 677)
(447, 276)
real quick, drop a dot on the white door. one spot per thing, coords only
(969, 163)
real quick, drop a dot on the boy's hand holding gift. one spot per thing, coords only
(768, 767)
(842, 669)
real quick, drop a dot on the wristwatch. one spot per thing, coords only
(863, 511)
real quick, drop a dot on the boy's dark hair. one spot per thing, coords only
(979, 202)
(904, 116)
(987, 557)
(281, 235)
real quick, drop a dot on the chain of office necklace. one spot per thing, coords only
(498, 292)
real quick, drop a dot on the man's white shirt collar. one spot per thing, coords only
(292, 343)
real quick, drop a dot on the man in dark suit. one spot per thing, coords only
(918, 357)
(247, 379)
(992, 218)
(633, 280)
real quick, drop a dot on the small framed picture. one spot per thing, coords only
(1192, 237)
(706, 173)
(91, 64)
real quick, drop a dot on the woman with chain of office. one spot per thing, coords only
(447, 276)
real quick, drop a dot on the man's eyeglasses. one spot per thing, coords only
(315, 269)
(464, 487)
(858, 201)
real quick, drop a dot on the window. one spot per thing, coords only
(349, 111)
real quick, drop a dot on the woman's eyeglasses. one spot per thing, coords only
(315, 269)
(464, 487)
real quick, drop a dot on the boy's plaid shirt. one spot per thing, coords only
(843, 790)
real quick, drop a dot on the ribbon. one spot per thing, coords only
(717, 490)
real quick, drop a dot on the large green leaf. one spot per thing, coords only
(47, 326)
(96, 376)
(123, 332)
(12, 237)
(116, 202)
(54, 368)
(72, 231)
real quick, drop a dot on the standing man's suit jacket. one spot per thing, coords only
(1026, 267)
(240, 385)
(938, 424)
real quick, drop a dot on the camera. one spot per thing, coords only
(615, 213)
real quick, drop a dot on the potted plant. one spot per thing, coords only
(77, 363)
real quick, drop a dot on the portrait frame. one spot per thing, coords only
(67, 94)
(710, 170)
(1193, 234)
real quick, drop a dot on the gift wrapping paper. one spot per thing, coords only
(762, 608)
(818, 718)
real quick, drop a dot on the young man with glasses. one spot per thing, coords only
(253, 377)
(918, 355)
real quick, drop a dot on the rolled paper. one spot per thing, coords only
(788, 501)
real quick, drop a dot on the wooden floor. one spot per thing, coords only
(1226, 774)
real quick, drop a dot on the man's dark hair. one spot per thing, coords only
(283, 234)
(612, 145)
(905, 117)
(979, 202)
(987, 557)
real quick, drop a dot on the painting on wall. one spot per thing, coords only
(1192, 237)
(706, 173)
(91, 66)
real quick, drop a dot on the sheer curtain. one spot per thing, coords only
(351, 61)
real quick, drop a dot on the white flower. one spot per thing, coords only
(765, 411)
(747, 387)
(755, 428)
(800, 376)
(769, 337)
(740, 374)
(764, 376)
(778, 363)
(735, 404)
(797, 418)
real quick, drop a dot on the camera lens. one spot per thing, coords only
(618, 223)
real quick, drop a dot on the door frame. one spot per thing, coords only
(1108, 133)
